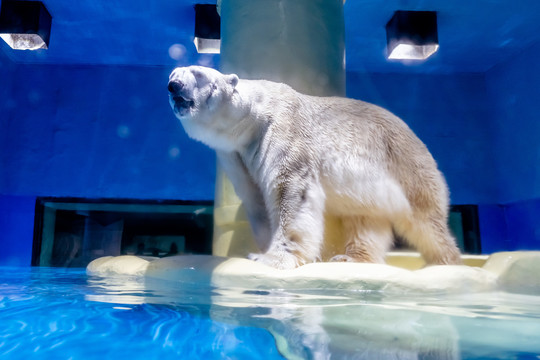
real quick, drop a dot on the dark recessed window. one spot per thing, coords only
(463, 223)
(73, 232)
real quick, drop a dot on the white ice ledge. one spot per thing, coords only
(515, 272)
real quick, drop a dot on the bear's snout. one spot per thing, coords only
(175, 86)
(180, 102)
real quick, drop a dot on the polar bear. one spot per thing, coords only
(292, 158)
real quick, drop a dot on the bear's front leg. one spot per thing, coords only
(296, 209)
(251, 196)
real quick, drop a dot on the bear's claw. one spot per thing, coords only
(282, 261)
(342, 258)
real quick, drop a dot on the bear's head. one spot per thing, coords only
(202, 99)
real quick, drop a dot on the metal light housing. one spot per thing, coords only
(412, 35)
(25, 25)
(207, 29)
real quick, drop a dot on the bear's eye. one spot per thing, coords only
(198, 75)
(201, 78)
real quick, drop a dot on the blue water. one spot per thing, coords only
(48, 313)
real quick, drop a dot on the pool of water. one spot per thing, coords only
(52, 313)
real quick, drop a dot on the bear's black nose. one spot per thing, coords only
(175, 86)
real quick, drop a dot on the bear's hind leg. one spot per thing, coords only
(430, 235)
(368, 239)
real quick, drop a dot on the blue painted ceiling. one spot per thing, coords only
(473, 35)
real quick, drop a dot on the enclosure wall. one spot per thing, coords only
(108, 131)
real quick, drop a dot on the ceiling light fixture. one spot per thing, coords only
(412, 35)
(25, 25)
(207, 29)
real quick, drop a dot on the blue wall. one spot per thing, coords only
(484, 132)
(450, 114)
(16, 230)
(514, 87)
(108, 132)
(89, 131)
(514, 90)
(97, 132)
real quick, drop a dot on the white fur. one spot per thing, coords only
(292, 158)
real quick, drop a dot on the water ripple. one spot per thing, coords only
(50, 317)
(63, 314)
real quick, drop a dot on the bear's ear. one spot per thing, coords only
(232, 79)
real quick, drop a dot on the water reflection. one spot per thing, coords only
(54, 312)
(324, 324)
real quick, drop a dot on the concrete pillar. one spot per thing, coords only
(297, 42)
